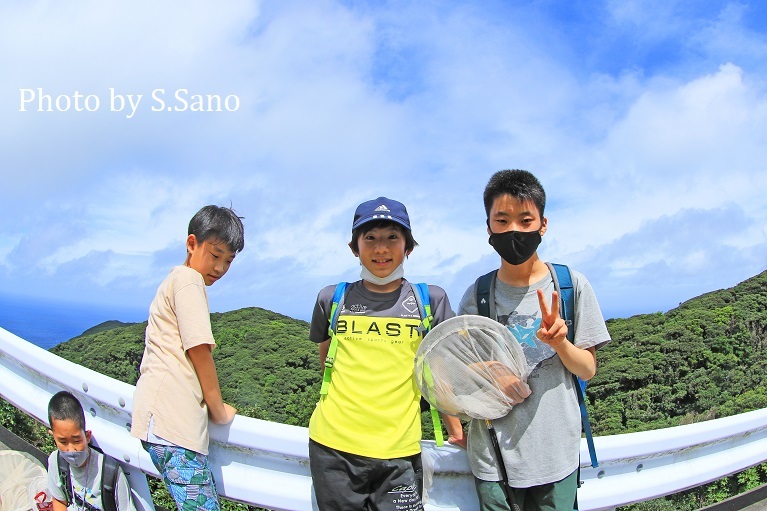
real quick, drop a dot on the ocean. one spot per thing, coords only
(48, 323)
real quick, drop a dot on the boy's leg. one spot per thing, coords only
(557, 496)
(186, 475)
(397, 484)
(491, 495)
(340, 479)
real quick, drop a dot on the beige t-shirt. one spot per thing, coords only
(168, 389)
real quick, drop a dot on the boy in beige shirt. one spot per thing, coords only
(178, 390)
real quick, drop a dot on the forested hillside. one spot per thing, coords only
(705, 359)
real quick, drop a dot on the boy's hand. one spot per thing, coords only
(514, 388)
(230, 412)
(460, 441)
(497, 374)
(224, 416)
(582, 362)
(553, 329)
(58, 505)
(456, 434)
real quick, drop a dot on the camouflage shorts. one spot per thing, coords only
(186, 475)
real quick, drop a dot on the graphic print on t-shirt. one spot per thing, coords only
(524, 328)
(374, 329)
(410, 304)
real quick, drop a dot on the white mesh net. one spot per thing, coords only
(21, 478)
(467, 366)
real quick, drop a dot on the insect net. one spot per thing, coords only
(465, 365)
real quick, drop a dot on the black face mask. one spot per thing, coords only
(515, 247)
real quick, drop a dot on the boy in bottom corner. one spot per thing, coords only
(178, 392)
(540, 437)
(80, 487)
(365, 433)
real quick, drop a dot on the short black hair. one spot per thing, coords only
(520, 184)
(217, 222)
(410, 242)
(65, 406)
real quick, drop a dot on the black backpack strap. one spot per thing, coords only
(109, 472)
(64, 477)
(485, 294)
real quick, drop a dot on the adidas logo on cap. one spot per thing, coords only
(381, 209)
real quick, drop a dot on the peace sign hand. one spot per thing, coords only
(553, 330)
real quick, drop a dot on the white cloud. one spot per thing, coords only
(680, 145)
(342, 103)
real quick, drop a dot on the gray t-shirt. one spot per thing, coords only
(539, 438)
(86, 482)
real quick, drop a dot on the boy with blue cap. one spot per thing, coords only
(365, 433)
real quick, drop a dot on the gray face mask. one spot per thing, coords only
(398, 273)
(76, 458)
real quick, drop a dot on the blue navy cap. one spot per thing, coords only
(381, 209)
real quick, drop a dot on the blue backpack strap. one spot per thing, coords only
(421, 294)
(335, 310)
(484, 289)
(563, 283)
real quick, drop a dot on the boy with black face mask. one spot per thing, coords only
(540, 437)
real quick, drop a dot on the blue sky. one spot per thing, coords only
(646, 122)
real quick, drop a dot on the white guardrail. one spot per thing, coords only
(266, 464)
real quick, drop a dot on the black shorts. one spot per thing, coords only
(347, 482)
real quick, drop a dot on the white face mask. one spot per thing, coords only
(75, 458)
(398, 273)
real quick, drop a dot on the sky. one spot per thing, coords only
(645, 121)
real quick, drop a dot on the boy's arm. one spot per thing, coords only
(54, 482)
(581, 362)
(456, 434)
(202, 360)
(324, 348)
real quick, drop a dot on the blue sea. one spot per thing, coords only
(48, 323)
